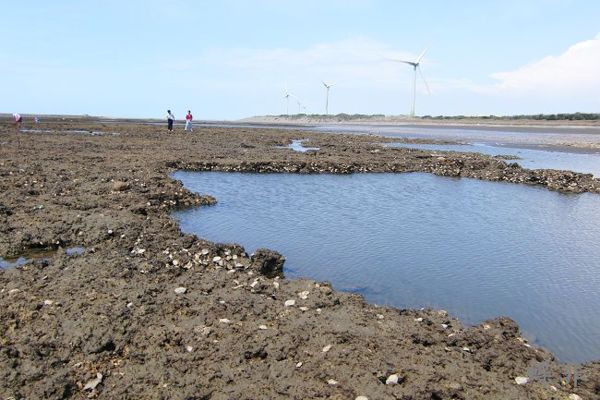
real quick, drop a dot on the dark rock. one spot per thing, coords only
(268, 262)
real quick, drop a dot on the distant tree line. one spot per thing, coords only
(542, 117)
(337, 117)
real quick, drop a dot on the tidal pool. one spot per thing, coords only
(477, 249)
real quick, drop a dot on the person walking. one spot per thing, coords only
(188, 121)
(170, 120)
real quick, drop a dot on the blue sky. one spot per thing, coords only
(231, 59)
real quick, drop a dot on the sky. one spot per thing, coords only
(231, 59)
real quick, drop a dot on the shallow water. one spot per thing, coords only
(477, 249)
(41, 254)
(298, 146)
(588, 163)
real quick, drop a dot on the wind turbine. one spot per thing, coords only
(416, 65)
(327, 87)
(286, 96)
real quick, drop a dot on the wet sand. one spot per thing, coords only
(148, 312)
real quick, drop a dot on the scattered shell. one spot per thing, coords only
(379, 316)
(224, 320)
(573, 396)
(48, 302)
(468, 350)
(444, 326)
(521, 380)
(418, 319)
(91, 384)
(304, 295)
(486, 327)
(289, 303)
(276, 284)
(216, 259)
(189, 349)
(326, 348)
(303, 308)
(332, 382)
(262, 327)
(129, 305)
(204, 252)
(361, 398)
(299, 364)
(180, 290)
(392, 379)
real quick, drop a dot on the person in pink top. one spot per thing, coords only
(188, 121)
(18, 120)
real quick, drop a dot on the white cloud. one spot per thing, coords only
(576, 71)
(356, 62)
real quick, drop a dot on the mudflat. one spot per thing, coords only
(146, 311)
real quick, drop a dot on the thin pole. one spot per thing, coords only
(412, 111)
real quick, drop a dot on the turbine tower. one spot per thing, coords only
(416, 66)
(327, 96)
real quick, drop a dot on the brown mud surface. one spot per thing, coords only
(147, 312)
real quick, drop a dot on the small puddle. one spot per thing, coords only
(33, 255)
(297, 145)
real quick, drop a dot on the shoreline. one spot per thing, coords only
(118, 309)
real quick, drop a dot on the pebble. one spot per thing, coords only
(129, 305)
(444, 326)
(332, 382)
(419, 319)
(189, 349)
(303, 308)
(299, 364)
(361, 398)
(392, 379)
(224, 320)
(289, 303)
(276, 284)
(521, 380)
(468, 350)
(180, 290)
(216, 259)
(262, 327)
(379, 316)
(204, 252)
(326, 348)
(48, 302)
(573, 396)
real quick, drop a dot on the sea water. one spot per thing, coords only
(477, 249)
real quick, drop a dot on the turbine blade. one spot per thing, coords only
(401, 61)
(421, 56)
(424, 80)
